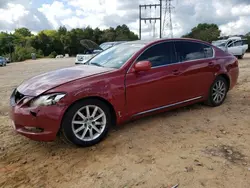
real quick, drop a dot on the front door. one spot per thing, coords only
(160, 86)
(235, 47)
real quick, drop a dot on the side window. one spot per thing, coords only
(231, 44)
(187, 51)
(208, 50)
(160, 54)
(238, 43)
(244, 42)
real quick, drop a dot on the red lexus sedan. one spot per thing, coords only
(125, 82)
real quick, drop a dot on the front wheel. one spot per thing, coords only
(218, 92)
(241, 56)
(86, 123)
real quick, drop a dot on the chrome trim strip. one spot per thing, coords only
(176, 62)
(167, 106)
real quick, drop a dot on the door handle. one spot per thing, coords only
(176, 72)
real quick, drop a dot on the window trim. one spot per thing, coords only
(155, 45)
(175, 54)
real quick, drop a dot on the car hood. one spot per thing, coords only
(39, 84)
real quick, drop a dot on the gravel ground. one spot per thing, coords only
(195, 146)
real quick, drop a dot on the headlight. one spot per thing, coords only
(46, 100)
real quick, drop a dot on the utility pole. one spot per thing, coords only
(150, 19)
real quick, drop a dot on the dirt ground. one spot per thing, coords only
(196, 146)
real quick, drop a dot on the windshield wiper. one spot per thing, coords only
(96, 64)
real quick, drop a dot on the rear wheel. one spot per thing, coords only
(218, 92)
(86, 123)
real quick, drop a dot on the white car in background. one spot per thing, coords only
(93, 49)
(234, 45)
(59, 56)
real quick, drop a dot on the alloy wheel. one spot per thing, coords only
(89, 122)
(219, 91)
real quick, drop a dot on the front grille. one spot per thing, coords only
(16, 97)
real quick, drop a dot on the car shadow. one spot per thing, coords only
(123, 129)
(163, 115)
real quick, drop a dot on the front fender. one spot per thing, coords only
(110, 89)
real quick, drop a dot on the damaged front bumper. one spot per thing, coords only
(39, 123)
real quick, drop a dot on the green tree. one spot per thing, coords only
(109, 35)
(51, 42)
(204, 31)
(24, 32)
(62, 30)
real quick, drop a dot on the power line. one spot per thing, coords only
(166, 8)
(167, 30)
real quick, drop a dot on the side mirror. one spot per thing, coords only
(142, 66)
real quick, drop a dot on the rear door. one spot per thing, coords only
(198, 67)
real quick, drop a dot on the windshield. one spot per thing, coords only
(219, 43)
(222, 44)
(116, 56)
(105, 46)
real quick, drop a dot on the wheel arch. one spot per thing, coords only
(227, 78)
(110, 106)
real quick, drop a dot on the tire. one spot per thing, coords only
(241, 56)
(214, 89)
(77, 125)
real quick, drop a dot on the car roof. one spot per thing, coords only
(154, 41)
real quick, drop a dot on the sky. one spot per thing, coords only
(232, 16)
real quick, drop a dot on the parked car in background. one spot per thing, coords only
(234, 45)
(66, 56)
(3, 61)
(94, 50)
(7, 60)
(125, 82)
(59, 56)
(245, 44)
